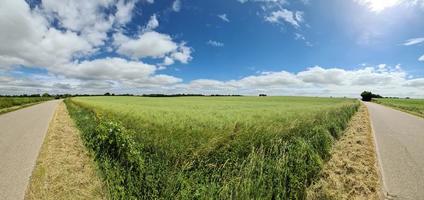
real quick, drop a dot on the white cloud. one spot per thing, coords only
(421, 58)
(295, 18)
(378, 6)
(314, 81)
(148, 44)
(167, 61)
(224, 17)
(320, 75)
(152, 44)
(414, 41)
(215, 43)
(27, 39)
(106, 69)
(124, 11)
(182, 54)
(176, 6)
(152, 24)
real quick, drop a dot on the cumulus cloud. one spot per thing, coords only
(182, 54)
(421, 58)
(106, 69)
(87, 17)
(320, 75)
(316, 81)
(152, 44)
(294, 18)
(27, 40)
(152, 24)
(148, 44)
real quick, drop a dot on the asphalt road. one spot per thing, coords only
(400, 149)
(21, 136)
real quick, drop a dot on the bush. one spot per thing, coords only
(367, 96)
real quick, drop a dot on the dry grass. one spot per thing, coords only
(64, 169)
(351, 173)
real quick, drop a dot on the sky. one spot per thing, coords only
(247, 47)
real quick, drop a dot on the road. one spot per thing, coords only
(21, 136)
(400, 149)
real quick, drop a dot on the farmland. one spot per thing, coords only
(413, 106)
(217, 147)
(7, 102)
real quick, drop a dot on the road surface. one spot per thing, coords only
(400, 148)
(21, 135)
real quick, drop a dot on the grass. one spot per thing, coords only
(8, 104)
(352, 171)
(413, 106)
(64, 168)
(215, 147)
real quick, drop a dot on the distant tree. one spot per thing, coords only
(46, 95)
(367, 96)
(262, 95)
(107, 94)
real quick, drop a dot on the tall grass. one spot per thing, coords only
(201, 147)
(414, 106)
(7, 102)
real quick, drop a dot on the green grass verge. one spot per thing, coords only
(204, 147)
(413, 106)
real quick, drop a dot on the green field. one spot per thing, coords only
(210, 147)
(7, 102)
(413, 106)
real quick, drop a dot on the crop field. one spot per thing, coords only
(7, 102)
(210, 147)
(413, 106)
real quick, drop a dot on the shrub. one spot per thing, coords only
(367, 96)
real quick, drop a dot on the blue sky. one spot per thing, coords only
(281, 47)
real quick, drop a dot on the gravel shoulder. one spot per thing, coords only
(64, 168)
(352, 171)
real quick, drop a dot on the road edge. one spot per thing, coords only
(54, 164)
(383, 191)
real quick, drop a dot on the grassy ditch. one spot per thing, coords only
(189, 148)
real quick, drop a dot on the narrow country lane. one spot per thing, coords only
(400, 148)
(21, 136)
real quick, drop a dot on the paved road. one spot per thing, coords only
(21, 135)
(400, 148)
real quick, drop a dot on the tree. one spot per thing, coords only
(367, 96)
(107, 94)
(46, 95)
